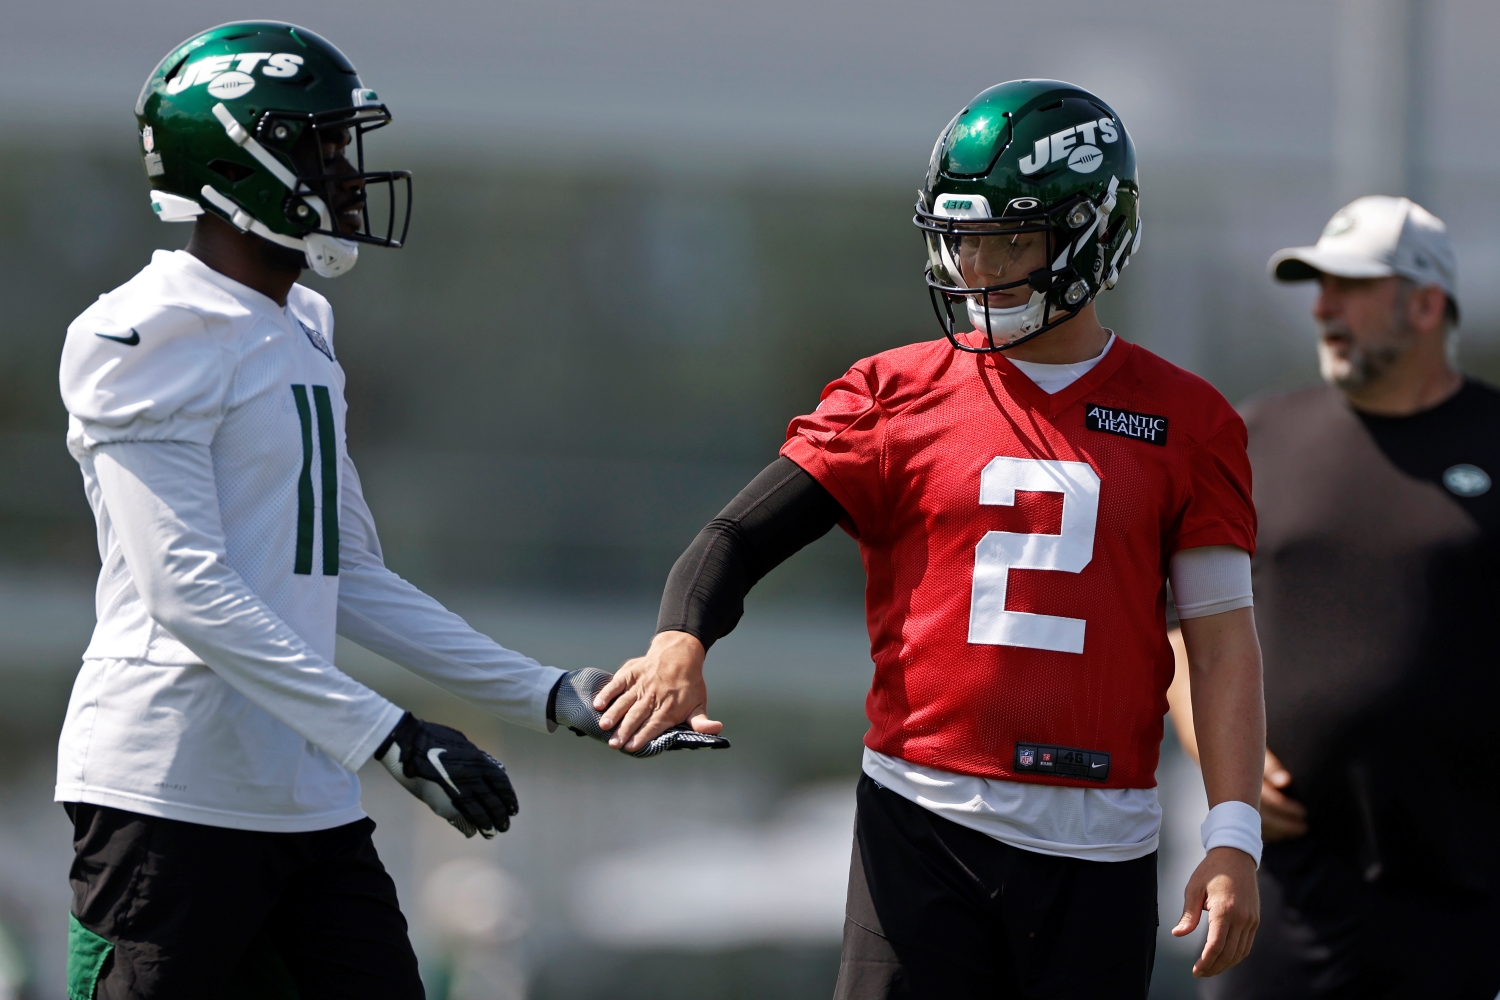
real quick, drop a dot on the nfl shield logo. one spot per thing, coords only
(1028, 757)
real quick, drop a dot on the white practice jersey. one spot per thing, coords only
(209, 425)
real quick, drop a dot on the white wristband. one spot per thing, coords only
(1233, 824)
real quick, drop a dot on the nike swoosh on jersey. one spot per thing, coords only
(434, 757)
(130, 341)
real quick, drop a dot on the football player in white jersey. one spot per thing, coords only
(209, 751)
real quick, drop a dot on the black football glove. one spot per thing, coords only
(574, 708)
(457, 780)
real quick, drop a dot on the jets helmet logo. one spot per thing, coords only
(1076, 145)
(233, 76)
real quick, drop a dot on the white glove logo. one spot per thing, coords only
(433, 756)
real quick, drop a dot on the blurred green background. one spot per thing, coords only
(645, 236)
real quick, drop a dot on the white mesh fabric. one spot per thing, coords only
(256, 729)
(215, 365)
(199, 361)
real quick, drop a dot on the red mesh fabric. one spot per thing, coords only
(901, 440)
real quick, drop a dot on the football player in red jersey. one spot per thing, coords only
(1021, 494)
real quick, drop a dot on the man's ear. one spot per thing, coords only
(1426, 308)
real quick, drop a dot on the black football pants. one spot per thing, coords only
(937, 910)
(166, 910)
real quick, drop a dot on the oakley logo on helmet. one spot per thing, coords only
(1076, 145)
(231, 76)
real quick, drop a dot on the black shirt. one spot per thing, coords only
(1377, 594)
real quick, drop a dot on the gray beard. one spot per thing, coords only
(1362, 366)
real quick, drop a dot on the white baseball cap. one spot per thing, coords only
(1375, 237)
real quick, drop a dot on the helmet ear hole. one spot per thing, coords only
(230, 171)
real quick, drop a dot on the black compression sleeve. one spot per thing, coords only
(781, 510)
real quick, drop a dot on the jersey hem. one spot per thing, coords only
(1080, 852)
(1055, 781)
(1220, 532)
(203, 816)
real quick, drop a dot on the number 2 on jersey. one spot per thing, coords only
(999, 552)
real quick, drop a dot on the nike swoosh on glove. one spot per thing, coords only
(457, 780)
(575, 709)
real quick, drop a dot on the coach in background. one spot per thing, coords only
(1376, 603)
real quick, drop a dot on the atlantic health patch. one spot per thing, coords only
(1141, 426)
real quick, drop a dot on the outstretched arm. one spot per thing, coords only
(387, 615)
(162, 499)
(782, 510)
(1229, 710)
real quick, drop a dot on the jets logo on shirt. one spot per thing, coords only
(1141, 426)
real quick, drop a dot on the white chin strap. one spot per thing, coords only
(328, 256)
(1010, 323)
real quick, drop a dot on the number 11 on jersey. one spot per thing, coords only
(999, 552)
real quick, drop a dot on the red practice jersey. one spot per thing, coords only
(1017, 548)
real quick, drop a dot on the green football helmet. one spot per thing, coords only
(1029, 156)
(235, 121)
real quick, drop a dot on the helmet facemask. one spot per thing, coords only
(316, 192)
(321, 190)
(967, 262)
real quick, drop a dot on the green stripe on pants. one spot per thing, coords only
(87, 952)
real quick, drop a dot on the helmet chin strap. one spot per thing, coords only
(328, 256)
(1011, 322)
